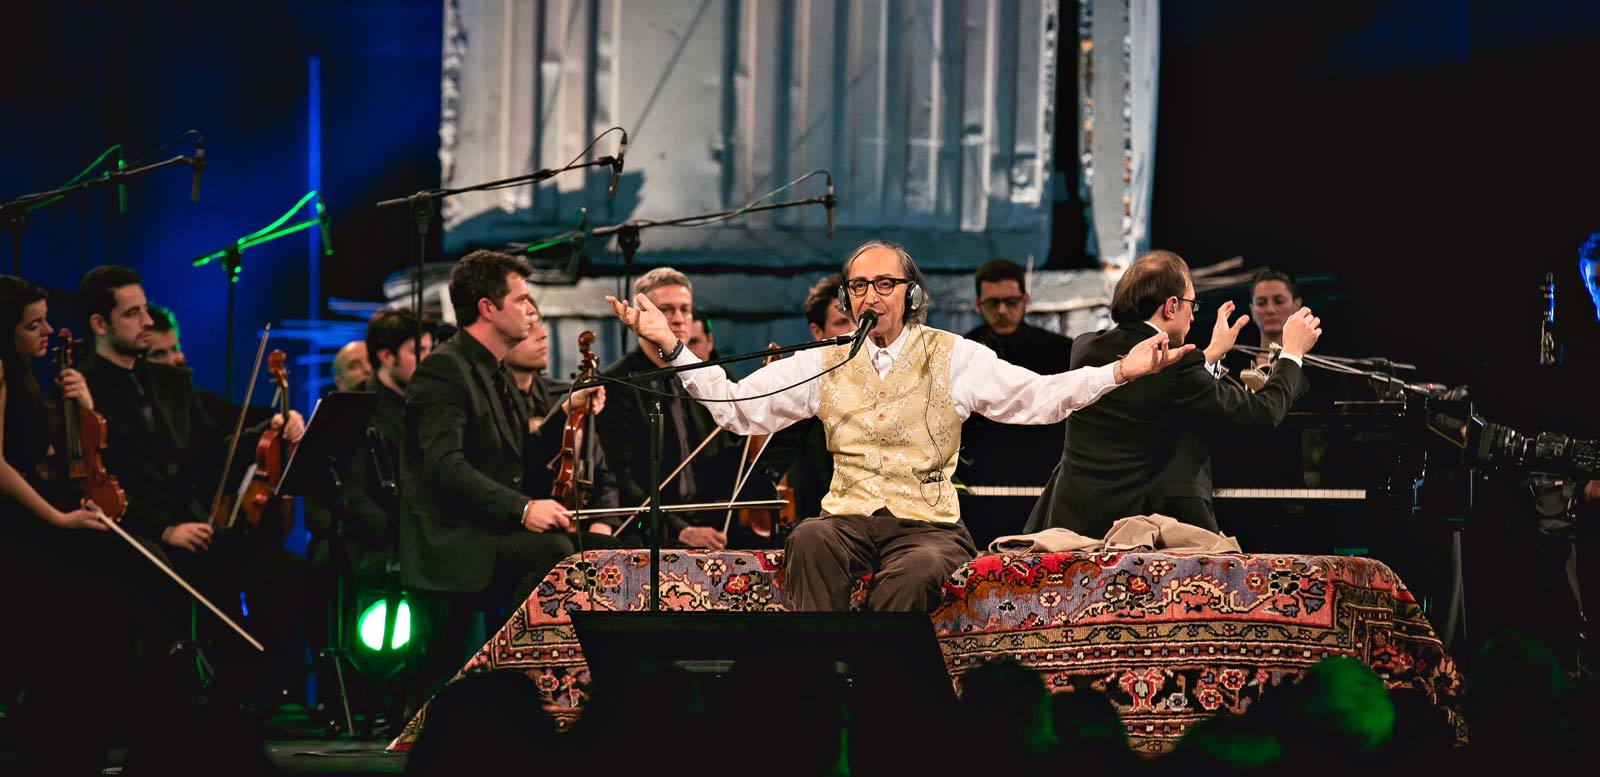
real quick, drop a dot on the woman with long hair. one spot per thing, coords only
(24, 422)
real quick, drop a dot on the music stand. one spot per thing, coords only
(336, 431)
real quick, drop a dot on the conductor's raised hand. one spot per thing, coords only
(1300, 332)
(646, 321)
(1224, 334)
(1149, 357)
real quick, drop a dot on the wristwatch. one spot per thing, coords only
(669, 356)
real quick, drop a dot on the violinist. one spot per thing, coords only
(391, 339)
(468, 533)
(56, 558)
(526, 362)
(710, 475)
(165, 450)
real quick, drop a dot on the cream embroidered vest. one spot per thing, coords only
(890, 435)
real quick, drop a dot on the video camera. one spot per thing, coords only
(1497, 446)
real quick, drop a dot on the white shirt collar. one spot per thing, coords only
(893, 348)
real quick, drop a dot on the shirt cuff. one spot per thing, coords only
(1294, 359)
(1108, 375)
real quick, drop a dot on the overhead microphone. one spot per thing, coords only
(828, 202)
(616, 167)
(198, 165)
(122, 188)
(864, 325)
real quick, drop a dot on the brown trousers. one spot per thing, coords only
(909, 561)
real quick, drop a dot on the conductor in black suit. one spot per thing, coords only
(466, 526)
(1144, 449)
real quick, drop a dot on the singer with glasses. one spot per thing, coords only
(892, 419)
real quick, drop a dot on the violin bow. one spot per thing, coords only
(138, 546)
(668, 479)
(727, 521)
(238, 428)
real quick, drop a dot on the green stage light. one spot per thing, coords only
(371, 626)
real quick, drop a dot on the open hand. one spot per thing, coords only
(645, 320)
(1151, 356)
(1224, 334)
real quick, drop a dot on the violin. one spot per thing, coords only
(760, 519)
(569, 464)
(85, 432)
(272, 455)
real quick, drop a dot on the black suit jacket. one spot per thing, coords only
(169, 472)
(1143, 447)
(624, 433)
(462, 465)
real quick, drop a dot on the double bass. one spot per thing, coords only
(85, 437)
(273, 451)
(570, 465)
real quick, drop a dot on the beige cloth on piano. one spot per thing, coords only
(1135, 533)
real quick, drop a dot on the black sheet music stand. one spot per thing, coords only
(334, 436)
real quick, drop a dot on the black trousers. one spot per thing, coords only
(909, 561)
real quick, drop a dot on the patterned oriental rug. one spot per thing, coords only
(1171, 639)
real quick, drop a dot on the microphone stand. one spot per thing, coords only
(655, 377)
(15, 212)
(628, 232)
(424, 206)
(231, 255)
(1351, 366)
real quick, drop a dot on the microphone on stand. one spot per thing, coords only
(122, 188)
(198, 165)
(323, 221)
(868, 320)
(616, 167)
(828, 202)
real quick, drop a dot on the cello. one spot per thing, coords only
(272, 455)
(85, 433)
(569, 464)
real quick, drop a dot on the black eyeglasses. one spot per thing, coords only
(884, 286)
(1194, 304)
(995, 303)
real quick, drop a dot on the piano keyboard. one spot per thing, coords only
(1221, 493)
(1290, 493)
(1004, 490)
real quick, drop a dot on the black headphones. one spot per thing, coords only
(914, 297)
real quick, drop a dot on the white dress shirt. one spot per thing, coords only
(980, 382)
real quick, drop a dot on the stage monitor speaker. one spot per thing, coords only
(892, 658)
